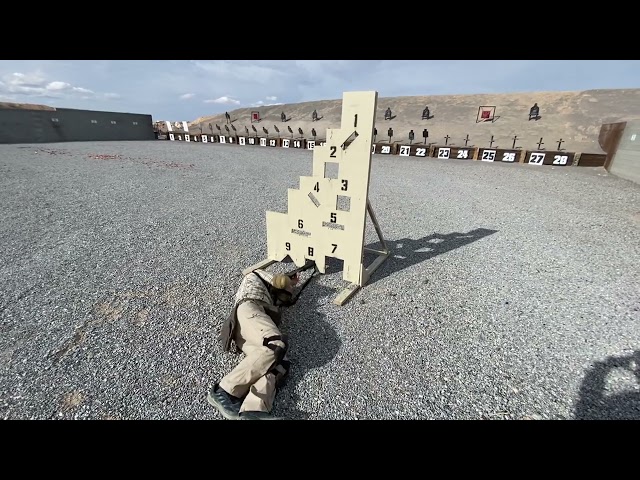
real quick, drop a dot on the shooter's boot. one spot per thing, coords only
(227, 404)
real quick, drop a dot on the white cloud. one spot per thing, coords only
(187, 96)
(58, 86)
(224, 101)
(271, 99)
(36, 84)
(261, 103)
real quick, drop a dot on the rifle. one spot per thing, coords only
(286, 298)
(308, 265)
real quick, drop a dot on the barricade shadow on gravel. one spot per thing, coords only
(407, 252)
(595, 404)
(313, 344)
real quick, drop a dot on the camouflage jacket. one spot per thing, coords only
(251, 288)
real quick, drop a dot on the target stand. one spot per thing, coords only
(327, 215)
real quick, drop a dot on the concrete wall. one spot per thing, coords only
(626, 161)
(70, 125)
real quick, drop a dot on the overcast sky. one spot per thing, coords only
(187, 89)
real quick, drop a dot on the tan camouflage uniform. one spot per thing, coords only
(255, 376)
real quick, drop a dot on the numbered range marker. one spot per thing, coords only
(558, 159)
(462, 153)
(499, 155)
(418, 150)
(288, 143)
(378, 148)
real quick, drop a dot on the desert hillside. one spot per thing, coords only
(574, 117)
(24, 106)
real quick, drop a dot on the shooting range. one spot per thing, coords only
(497, 277)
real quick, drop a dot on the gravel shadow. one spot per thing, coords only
(313, 343)
(595, 404)
(407, 252)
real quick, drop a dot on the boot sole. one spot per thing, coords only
(223, 411)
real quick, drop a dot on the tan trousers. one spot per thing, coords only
(250, 376)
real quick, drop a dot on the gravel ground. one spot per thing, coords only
(512, 291)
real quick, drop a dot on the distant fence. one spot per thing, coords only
(559, 158)
(70, 125)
